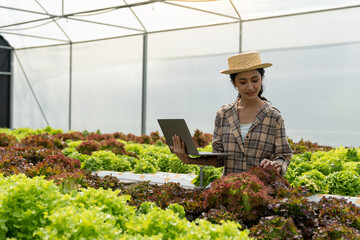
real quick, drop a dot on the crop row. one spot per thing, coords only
(143, 154)
(260, 201)
(335, 172)
(29, 155)
(201, 139)
(36, 209)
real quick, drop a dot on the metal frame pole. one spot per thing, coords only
(70, 85)
(240, 36)
(144, 85)
(6, 47)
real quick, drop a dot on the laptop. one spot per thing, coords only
(170, 127)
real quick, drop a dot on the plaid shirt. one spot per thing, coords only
(266, 139)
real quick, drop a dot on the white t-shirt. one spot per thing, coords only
(244, 128)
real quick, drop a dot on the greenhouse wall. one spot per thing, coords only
(106, 86)
(183, 75)
(317, 94)
(107, 77)
(46, 72)
(313, 81)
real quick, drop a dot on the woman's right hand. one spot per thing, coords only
(179, 149)
(266, 162)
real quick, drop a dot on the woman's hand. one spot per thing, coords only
(179, 149)
(266, 162)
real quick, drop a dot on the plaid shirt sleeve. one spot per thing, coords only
(217, 143)
(282, 150)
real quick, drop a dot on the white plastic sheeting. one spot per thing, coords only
(317, 91)
(314, 46)
(155, 178)
(107, 85)
(181, 85)
(322, 28)
(80, 20)
(48, 73)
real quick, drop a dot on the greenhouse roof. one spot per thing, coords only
(25, 23)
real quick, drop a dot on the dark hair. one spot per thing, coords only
(262, 73)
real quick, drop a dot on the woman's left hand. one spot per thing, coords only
(266, 162)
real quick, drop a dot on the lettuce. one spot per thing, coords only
(345, 183)
(106, 160)
(328, 164)
(79, 223)
(313, 180)
(210, 174)
(25, 203)
(296, 169)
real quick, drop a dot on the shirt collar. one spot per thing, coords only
(259, 117)
(264, 109)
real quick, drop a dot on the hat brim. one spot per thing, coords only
(231, 71)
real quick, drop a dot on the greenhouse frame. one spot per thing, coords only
(120, 65)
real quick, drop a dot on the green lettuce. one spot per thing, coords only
(345, 183)
(313, 180)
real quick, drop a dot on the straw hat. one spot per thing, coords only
(245, 62)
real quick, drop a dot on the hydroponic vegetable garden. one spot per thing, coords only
(49, 190)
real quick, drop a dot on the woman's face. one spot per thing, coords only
(248, 84)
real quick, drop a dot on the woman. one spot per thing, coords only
(249, 129)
